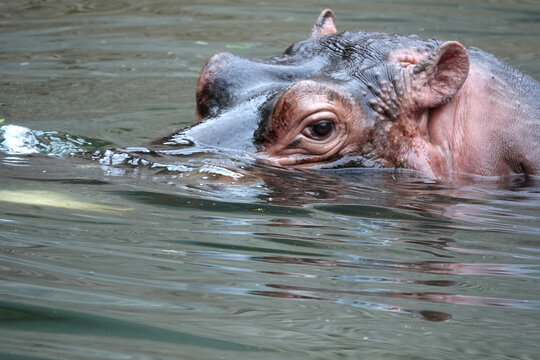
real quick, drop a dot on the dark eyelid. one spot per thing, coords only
(294, 144)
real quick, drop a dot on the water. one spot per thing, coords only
(211, 256)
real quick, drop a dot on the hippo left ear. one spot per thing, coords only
(439, 77)
(326, 24)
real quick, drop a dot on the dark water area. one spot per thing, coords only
(205, 255)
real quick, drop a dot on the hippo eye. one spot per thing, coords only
(321, 129)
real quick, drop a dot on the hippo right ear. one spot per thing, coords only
(438, 78)
(326, 24)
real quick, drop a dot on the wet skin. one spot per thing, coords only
(371, 100)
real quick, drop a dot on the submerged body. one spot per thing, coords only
(372, 99)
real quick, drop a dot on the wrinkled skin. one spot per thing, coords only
(372, 100)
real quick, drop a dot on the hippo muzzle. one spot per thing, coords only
(235, 96)
(232, 128)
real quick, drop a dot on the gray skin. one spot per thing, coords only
(371, 100)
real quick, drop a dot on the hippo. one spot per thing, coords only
(365, 99)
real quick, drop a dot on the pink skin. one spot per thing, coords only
(479, 132)
(454, 117)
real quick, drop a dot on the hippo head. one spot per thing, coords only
(359, 96)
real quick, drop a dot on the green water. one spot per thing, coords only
(223, 258)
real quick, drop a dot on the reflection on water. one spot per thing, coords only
(245, 266)
(214, 255)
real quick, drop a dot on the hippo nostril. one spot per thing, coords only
(212, 89)
(217, 62)
(220, 55)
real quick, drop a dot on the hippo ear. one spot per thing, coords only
(439, 77)
(326, 24)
